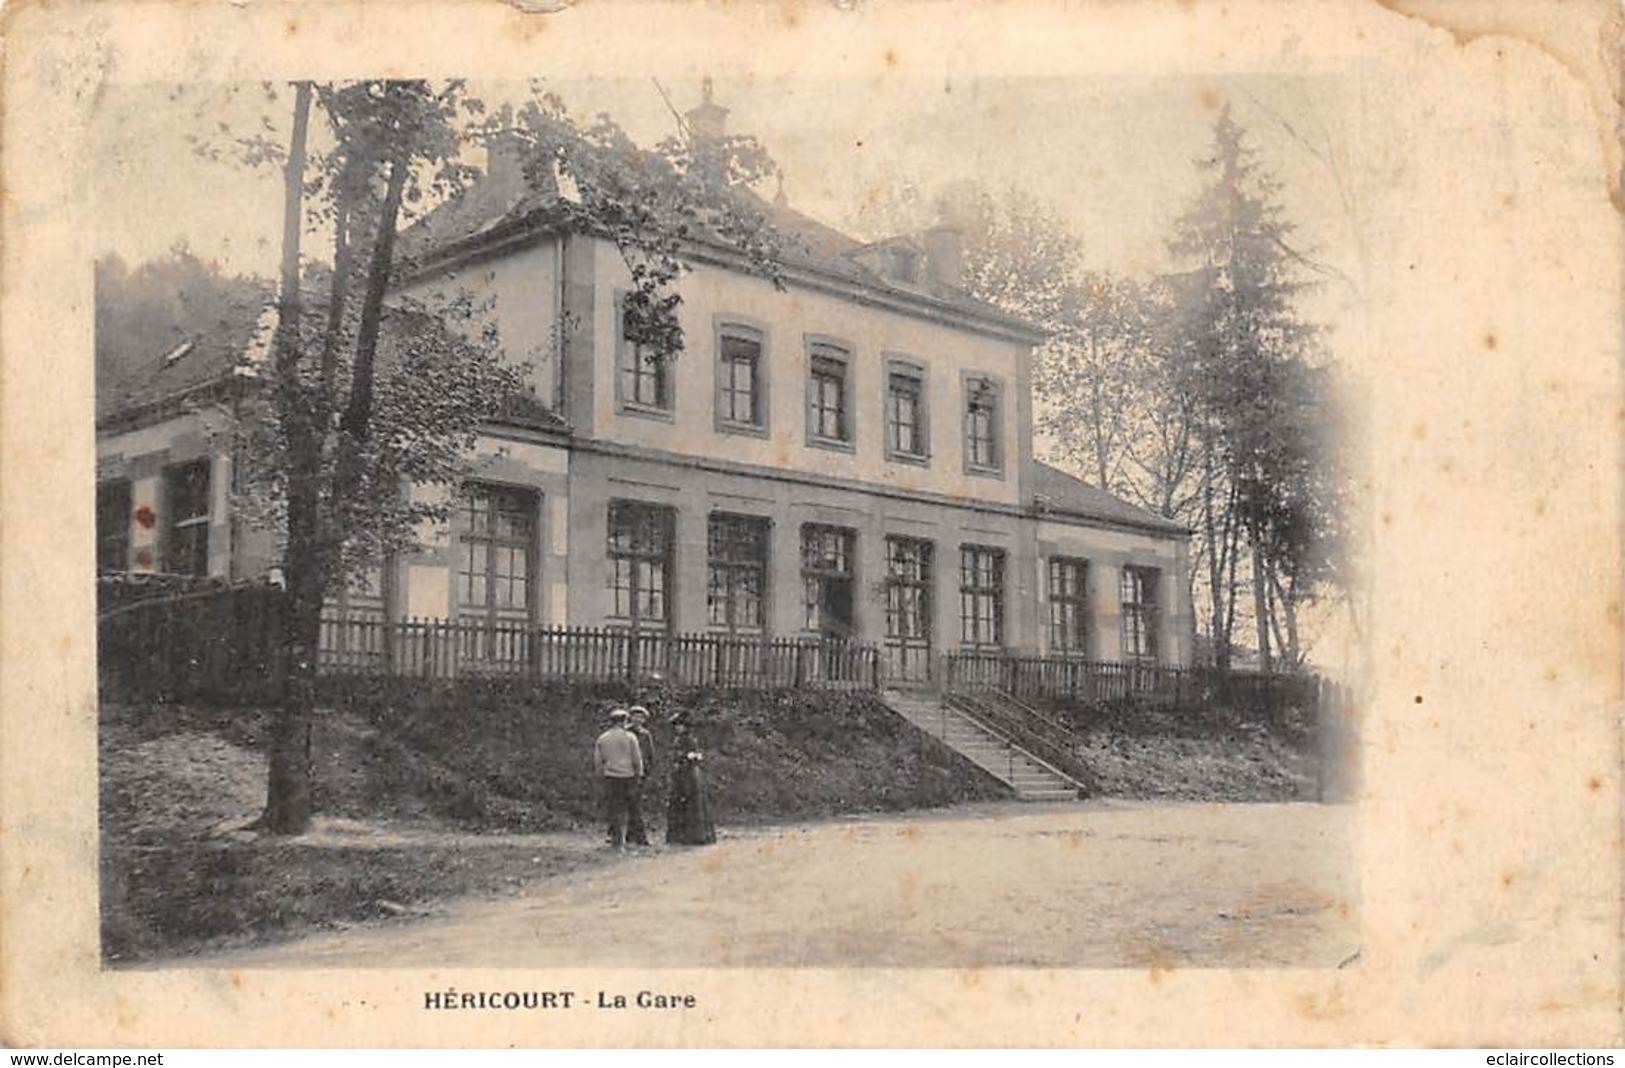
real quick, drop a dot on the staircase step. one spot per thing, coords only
(1030, 780)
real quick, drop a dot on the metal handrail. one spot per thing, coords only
(1032, 713)
(1054, 757)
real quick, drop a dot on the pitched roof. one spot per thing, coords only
(1057, 492)
(488, 207)
(147, 352)
(140, 367)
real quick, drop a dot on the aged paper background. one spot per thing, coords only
(1481, 168)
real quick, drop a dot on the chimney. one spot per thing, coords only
(505, 162)
(504, 165)
(709, 121)
(945, 255)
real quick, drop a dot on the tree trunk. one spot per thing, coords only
(1287, 599)
(288, 794)
(1261, 599)
(1231, 554)
(338, 292)
(359, 414)
(1215, 568)
(1099, 411)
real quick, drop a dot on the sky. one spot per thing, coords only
(1113, 156)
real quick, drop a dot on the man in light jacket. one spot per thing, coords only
(618, 760)
(636, 832)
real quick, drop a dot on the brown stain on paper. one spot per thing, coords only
(1590, 56)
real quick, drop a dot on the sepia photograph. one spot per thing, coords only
(915, 512)
(514, 529)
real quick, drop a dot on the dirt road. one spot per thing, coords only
(1084, 885)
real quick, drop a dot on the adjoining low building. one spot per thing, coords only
(848, 458)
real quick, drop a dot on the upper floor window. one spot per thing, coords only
(639, 551)
(736, 587)
(1138, 588)
(113, 525)
(186, 518)
(741, 383)
(1068, 605)
(981, 595)
(982, 425)
(496, 553)
(906, 434)
(829, 416)
(644, 379)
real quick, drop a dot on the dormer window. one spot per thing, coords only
(905, 264)
(178, 353)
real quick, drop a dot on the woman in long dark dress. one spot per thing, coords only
(688, 811)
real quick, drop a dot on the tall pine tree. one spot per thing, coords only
(1246, 356)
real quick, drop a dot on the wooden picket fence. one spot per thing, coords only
(449, 649)
(212, 643)
(227, 643)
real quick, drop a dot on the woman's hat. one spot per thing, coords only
(637, 710)
(618, 713)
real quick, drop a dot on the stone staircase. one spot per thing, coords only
(1031, 778)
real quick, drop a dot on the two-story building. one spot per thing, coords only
(850, 455)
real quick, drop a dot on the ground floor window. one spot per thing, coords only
(981, 595)
(1068, 606)
(1138, 587)
(640, 561)
(354, 620)
(827, 579)
(909, 566)
(113, 526)
(908, 588)
(186, 518)
(736, 585)
(496, 553)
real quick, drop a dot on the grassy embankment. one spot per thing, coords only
(1207, 754)
(404, 774)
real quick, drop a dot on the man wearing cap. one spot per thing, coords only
(618, 760)
(636, 832)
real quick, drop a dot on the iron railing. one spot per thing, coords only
(1087, 681)
(1041, 737)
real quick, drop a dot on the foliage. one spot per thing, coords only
(1249, 363)
(146, 312)
(440, 376)
(370, 408)
(1199, 394)
(650, 202)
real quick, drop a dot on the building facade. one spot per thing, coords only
(849, 456)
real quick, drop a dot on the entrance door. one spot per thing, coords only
(835, 612)
(826, 571)
(909, 609)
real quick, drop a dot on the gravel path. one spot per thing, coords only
(1096, 885)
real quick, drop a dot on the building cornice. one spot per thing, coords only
(873, 489)
(169, 406)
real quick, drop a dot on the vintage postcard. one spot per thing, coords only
(874, 523)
